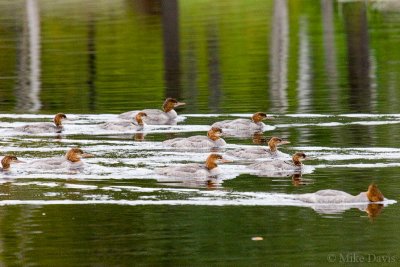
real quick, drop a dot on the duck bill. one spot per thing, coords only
(179, 104)
(87, 155)
(269, 118)
(284, 143)
(226, 161)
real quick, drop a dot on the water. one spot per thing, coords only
(326, 70)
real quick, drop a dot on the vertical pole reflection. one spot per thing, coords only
(358, 56)
(28, 89)
(214, 80)
(170, 24)
(279, 56)
(91, 51)
(329, 48)
(304, 87)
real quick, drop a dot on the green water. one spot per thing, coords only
(281, 57)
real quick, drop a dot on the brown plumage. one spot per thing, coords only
(374, 194)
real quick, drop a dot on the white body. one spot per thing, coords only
(192, 170)
(256, 152)
(45, 127)
(275, 165)
(154, 116)
(55, 163)
(332, 196)
(121, 125)
(197, 141)
(239, 125)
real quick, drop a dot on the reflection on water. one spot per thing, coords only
(311, 63)
(291, 56)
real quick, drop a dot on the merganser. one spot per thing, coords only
(195, 170)
(46, 127)
(255, 124)
(7, 161)
(281, 165)
(261, 152)
(213, 139)
(335, 196)
(124, 125)
(158, 117)
(71, 161)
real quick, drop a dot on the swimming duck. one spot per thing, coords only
(46, 127)
(71, 161)
(255, 124)
(195, 170)
(281, 165)
(124, 125)
(373, 194)
(261, 152)
(213, 139)
(158, 117)
(7, 161)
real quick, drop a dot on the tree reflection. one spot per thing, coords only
(170, 25)
(356, 28)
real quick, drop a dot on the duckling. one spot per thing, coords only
(255, 124)
(7, 161)
(166, 116)
(71, 161)
(125, 125)
(195, 170)
(261, 152)
(335, 196)
(46, 127)
(281, 165)
(213, 139)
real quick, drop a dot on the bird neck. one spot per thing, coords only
(210, 164)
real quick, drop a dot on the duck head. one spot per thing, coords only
(213, 159)
(374, 194)
(298, 157)
(260, 116)
(8, 160)
(139, 118)
(171, 103)
(58, 118)
(274, 142)
(75, 155)
(214, 133)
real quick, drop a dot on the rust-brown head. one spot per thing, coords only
(374, 194)
(171, 103)
(213, 159)
(8, 160)
(259, 116)
(139, 118)
(276, 141)
(58, 118)
(75, 154)
(214, 133)
(298, 157)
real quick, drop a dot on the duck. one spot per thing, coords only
(281, 165)
(195, 170)
(7, 161)
(166, 116)
(256, 152)
(253, 124)
(213, 139)
(46, 127)
(124, 125)
(71, 160)
(372, 195)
